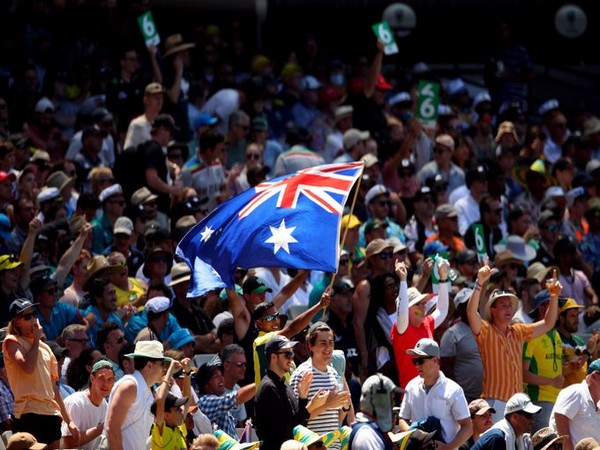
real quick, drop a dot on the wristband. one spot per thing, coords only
(444, 281)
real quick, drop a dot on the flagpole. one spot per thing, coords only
(328, 289)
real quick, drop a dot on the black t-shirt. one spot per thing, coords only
(345, 340)
(155, 158)
(197, 321)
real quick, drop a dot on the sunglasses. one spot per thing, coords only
(385, 255)
(238, 364)
(120, 340)
(420, 361)
(29, 315)
(270, 317)
(253, 156)
(288, 355)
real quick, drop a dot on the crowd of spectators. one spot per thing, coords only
(468, 280)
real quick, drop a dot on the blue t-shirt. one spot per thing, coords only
(140, 320)
(62, 315)
(492, 440)
(92, 331)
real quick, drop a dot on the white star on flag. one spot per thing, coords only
(206, 234)
(281, 237)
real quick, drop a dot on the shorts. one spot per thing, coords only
(46, 429)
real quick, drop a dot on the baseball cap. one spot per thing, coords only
(446, 140)
(378, 189)
(594, 366)
(102, 364)
(350, 221)
(44, 105)
(425, 347)
(57, 350)
(462, 296)
(521, 402)
(278, 342)
(377, 246)
(9, 262)
(255, 285)
(158, 304)
(180, 338)
(24, 441)
(341, 287)
(110, 191)
(479, 407)
(154, 88)
(540, 298)
(570, 303)
(465, 256)
(171, 401)
(446, 211)
(123, 225)
(18, 306)
(353, 136)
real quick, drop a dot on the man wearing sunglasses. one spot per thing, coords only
(377, 201)
(113, 205)
(512, 431)
(431, 394)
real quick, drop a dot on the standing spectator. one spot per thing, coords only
(89, 157)
(110, 340)
(412, 322)
(574, 359)
(490, 212)
(513, 430)
(138, 131)
(468, 206)
(128, 419)
(113, 205)
(32, 373)
(103, 307)
(320, 342)
(542, 365)
(205, 172)
(88, 407)
(235, 142)
(431, 394)
(446, 219)
(275, 401)
(500, 343)
(299, 156)
(75, 340)
(377, 200)
(460, 357)
(442, 164)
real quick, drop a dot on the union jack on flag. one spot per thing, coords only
(291, 221)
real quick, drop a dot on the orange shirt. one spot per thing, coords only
(502, 356)
(33, 392)
(455, 245)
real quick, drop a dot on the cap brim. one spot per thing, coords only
(532, 409)
(261, 289)
(288, 345)
(414, 352)
(418, 300)
(485, 409)
(178, 48)
(145, 355)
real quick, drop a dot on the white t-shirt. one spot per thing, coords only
(575, 402)
(222, 104)
(85, 414)
(138, 132)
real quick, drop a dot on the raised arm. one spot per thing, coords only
(374, 71)
(161, 395)
(547, 323)
(241, 316)
(402, 299)
(27, 251)
(70, 256)
(289, 289)
(301, 321)
(441, 312)
(360, 307)
(475, 322)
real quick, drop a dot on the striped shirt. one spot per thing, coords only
(501, 355)
(326, 421)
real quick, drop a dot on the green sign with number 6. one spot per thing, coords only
(384, 34)
(427, 105)
(148, 29)
(480, 242)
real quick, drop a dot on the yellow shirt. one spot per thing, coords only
(33, 392)
(171, 438)
(137, 288)
(544, 354)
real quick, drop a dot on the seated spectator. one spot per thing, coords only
(88, 407)
(74, 293)
(74, 338)
(481, 417)
(155, 314)
(446, 219)
(113, 205)
(123, 235)
(130, 291)
(183, 340)
(110, 340)
(78, 372)
(7, 400)
(53, 315)
(103, 307)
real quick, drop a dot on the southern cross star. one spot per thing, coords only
(281, 237)
(206, 234)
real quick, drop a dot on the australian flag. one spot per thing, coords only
(291, 221)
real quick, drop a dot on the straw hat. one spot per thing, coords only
(537, 167)
(514, 302)
(174, 44)
(98, 267)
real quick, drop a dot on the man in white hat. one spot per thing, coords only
(500, 342)
(354, 145)
(514, 430)
(128, 419)
(442, 164)
(113, 205)
(377, 201)
(431, 394)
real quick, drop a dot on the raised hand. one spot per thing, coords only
(401, 270)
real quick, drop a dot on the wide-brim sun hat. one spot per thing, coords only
(514, 301)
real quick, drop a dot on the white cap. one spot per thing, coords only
(113, 189)
(48, 193)
(548, 105)
(399, 98)
(462, 296)
(369, 159)
(123, 225)
(456, 86)
(43, 105)
(483, 96)
(376, 190)
(353, 136)
(158, 304)
(309, 83)
(521, 402)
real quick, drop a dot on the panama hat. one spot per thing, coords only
(98, 267)
(149, 349)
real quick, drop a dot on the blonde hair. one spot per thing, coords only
(95, 174)
(205, 442)
(12, 328)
